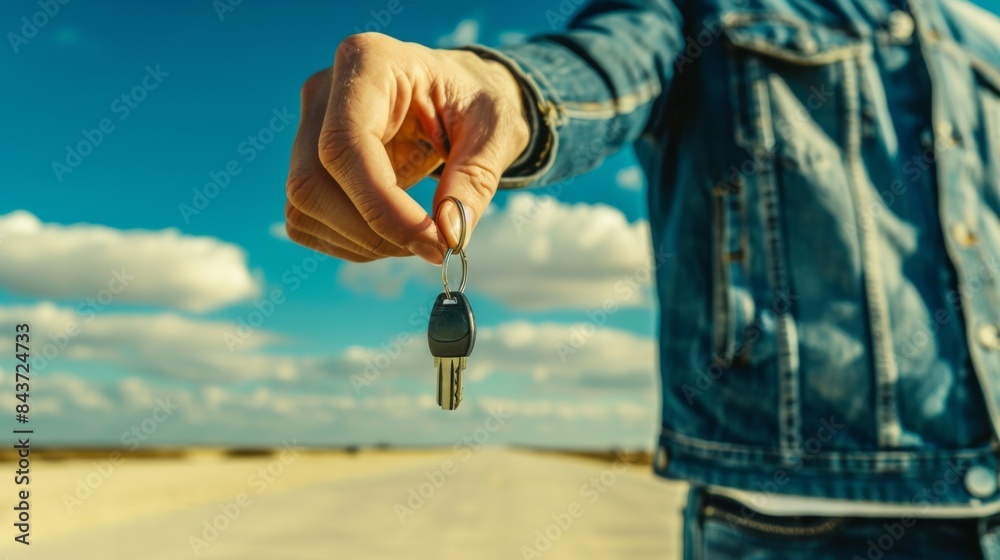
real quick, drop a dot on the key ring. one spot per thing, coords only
(460, 249)
(444, 272)
(463, 230)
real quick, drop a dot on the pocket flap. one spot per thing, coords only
(987, 72)
(791, 39)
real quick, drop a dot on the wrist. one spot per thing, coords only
(536, 112)
(513, 97)
(499, 82)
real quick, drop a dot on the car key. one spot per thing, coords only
(451, 335)
(451, 330)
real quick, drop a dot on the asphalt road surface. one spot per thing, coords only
(492, 504)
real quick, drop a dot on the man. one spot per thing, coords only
(827, 177)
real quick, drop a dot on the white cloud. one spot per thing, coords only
(569, 410)
(77, 391)
(103, 409)
(508, 38)
(465, 33)
(164, 344)
(161, 267)
(278, 231)
(171, 346)
(578, 355)
(538, 254)
(578, 352)
(630, 178)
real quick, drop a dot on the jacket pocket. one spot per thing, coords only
(733, 303)
(795, 97)
(786, 71)
(988, 91)
(985, 235)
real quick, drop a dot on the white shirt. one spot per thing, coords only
(781, 504)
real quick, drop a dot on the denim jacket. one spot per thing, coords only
(826, 176)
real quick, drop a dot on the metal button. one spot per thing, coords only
(661, 458)
(805, 42)
(946, 135)
(981, 481)
(989, 336)
(963, 234)
(943, 130)
(927, 139)
(900, 25)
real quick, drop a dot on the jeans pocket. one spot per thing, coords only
(726, 521)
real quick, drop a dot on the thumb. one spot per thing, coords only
(486, 129)
(474, 186)
(472, 171)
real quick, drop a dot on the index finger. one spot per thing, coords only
(367, 103)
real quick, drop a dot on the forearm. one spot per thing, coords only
(591, 90)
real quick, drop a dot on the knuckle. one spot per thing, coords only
(293, 216)
(371, 209)
(378, 246)
(308, 241)
(300, 193)
(315, 84)
(483, 180)
(297, 235)
(337, 150)
(356, 258)
(355, 46)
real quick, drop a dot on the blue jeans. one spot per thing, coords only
(718, 528)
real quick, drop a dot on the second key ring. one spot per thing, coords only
(459, 248)
(444, 272)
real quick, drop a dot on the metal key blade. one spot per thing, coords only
(449, 381)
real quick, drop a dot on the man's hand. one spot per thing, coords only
(386, 116)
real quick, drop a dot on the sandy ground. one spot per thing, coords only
(491, 504)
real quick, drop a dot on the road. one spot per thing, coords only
(491, 504)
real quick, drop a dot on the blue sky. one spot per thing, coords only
(205, 86)
(203, 91)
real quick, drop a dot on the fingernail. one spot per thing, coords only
(427, 251)
(453, 223)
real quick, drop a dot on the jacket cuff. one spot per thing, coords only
(539, 156)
